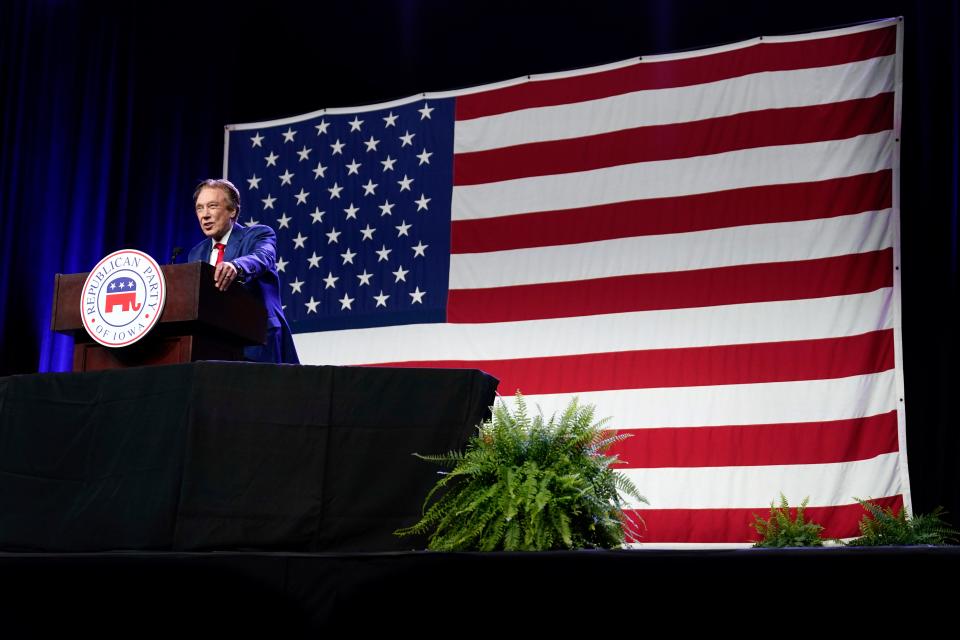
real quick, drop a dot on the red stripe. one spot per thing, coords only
(770, 127)
(732, 208)
(735, 525)
(842, 275)
(687, 367)
(761, 444)
(757, 58)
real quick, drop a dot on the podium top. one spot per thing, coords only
(193, 304)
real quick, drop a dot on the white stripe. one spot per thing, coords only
(754, 487)
(751, 244)
(768, 90)
(830, 317)
(788, 164)
(897, 275)
(734, 404)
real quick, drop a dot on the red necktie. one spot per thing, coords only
(220, 247)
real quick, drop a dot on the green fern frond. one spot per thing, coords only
(529, 482)
(449, 459)
(783, 529)
(887, 526)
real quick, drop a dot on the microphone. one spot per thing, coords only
(176, 252)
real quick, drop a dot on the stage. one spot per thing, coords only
(181, 500)
(632, 592)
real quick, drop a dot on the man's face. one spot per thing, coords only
(214, 213)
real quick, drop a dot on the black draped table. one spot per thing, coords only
(227, 456)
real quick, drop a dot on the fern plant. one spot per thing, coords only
(781, 530)
(529, 484)
(885, 526)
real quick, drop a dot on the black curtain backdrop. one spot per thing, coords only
(112, 111)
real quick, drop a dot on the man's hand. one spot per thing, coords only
(224, 275)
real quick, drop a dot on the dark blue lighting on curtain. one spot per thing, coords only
(91, 161)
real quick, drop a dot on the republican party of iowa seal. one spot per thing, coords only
(122, 298)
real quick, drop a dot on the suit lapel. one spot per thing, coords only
(233, 243)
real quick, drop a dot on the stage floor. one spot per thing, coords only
(284, 595)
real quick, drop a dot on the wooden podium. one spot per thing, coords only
(198, 322)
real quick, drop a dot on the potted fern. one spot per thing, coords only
(886, 526)
(528, 484)
(782, 529)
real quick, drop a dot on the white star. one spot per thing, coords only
(391, 120)
(388, 163)
(302, 197)
(367, 233)
(284, 221)
(420, 249)
(417, 296)
(355, 123)
(286, 177)
(401, 274)
(257, 139)
(268, 201)
(364, 278)
(322, 127)
(402, 229)
(345, 302)
(271, 159)
(330, 280)
(254, 182)
(348, 256)
(335, 191)
(426, 111)
(304, 153)
(386, 209)
(372, 144)
(295, 285)
(384, 253)
(319, 171)
(299, 240)
(312, 305)
(422, 202)
(405, 183)
(353, 168)
(251, 222)
(407, 139)
(351, 212)
(288, 135)
(381, 299)
(314, 260)
(370, 188)
(425, 157)
(317, 215)
(282, 265)
(333, 236)
(337, 147)
(113, 285)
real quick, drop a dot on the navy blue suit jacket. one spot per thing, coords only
(253, 250)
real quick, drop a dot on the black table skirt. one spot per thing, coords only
(227, 456)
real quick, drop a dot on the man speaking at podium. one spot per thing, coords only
(247, 254)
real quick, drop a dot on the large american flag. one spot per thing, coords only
(704, 245)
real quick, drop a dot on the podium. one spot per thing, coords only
(199, 322)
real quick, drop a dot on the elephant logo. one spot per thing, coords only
(122, 292)
(123, 298)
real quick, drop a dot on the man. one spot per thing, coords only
(247, 254)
